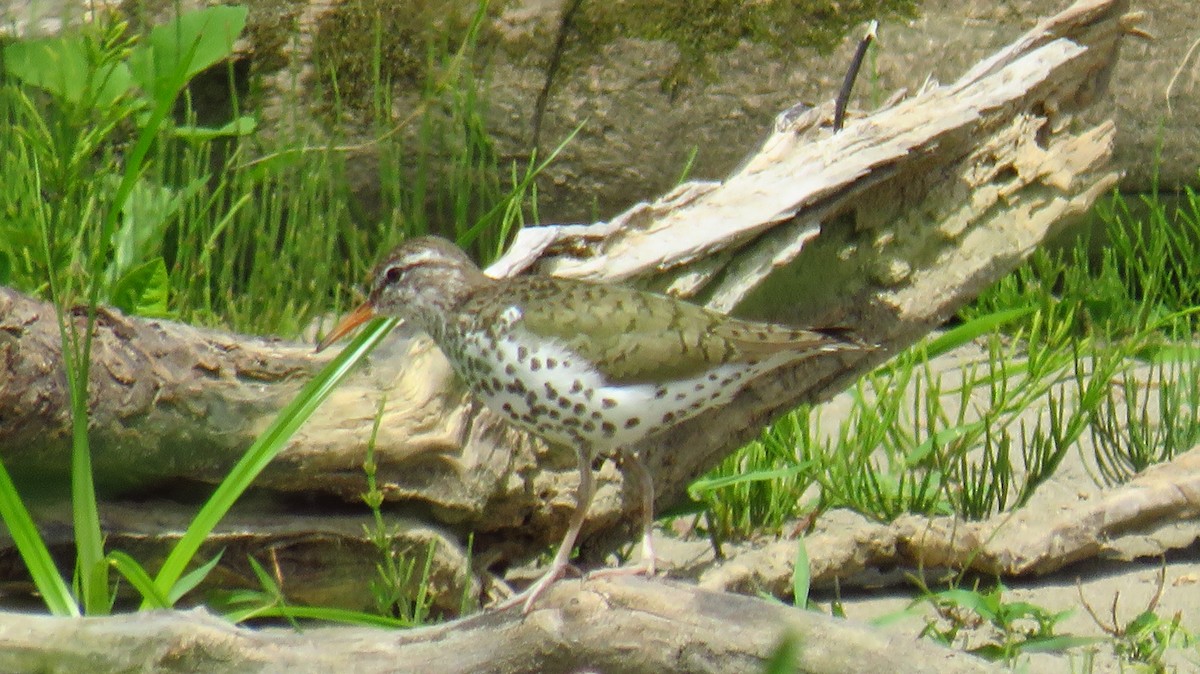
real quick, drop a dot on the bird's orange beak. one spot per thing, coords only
(362, 314)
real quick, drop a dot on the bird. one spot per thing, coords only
(595, 367)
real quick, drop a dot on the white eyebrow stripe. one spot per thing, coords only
(422, 255)
(411, 260)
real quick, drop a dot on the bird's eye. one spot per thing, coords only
(393, 274)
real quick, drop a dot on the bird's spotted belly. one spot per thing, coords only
(553, 392)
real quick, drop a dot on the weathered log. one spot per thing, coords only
(1145, 517)
(626, 625)
(886, 227)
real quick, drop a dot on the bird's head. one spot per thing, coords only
(422, 280)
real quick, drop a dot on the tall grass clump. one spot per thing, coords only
(115, 193)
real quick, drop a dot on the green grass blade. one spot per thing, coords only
(783, 659)
(707, 484)
(1058, 644)
(49, 582)
(192, 578)
(973, 329)
(89, 540)
(136, 575)
(531, 174)
(333, 615)
(85, 514)
(801, 575)
(264, 449)
(270, 587)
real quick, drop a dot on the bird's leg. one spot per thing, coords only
(649, 562)
(562, 557)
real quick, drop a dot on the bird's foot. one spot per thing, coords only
(647, 566)
(530, 594)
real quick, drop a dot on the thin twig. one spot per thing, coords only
(1179, 71)
(839, 110)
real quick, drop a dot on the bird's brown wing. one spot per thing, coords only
(639, 337)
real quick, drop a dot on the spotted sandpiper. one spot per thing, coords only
(597, 368)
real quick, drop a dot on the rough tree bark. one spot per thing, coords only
(886, 227)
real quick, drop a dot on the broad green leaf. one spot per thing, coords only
(64, 67)
(143, 290)
(148, 211)
(179, 49)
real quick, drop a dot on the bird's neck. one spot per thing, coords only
(441, 313)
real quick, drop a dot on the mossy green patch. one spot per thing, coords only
(703, 29)
(363, 44)
(272, 28)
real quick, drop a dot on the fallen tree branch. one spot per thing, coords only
(848, 549)
(626, 625)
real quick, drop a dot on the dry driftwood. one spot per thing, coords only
(886, 227)
(1144, 517)
(625, 625)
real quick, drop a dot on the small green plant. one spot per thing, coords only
(759, 484)
(992, 628)
(95, 236)
(783, 658)
(396, 573)
(263, 450)
(1141, 276)
(1147, 636)
(1141, 423)
(270, 602)
(1156, 254)
(928, 446)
